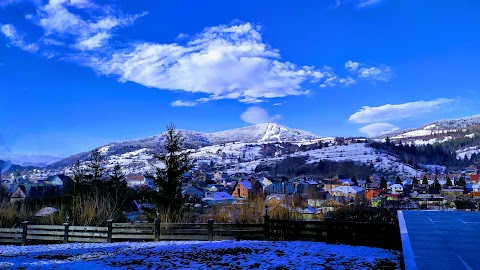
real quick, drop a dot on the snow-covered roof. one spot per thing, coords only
(347, 189)
(219, 196)
(396, 186)
(246, 184)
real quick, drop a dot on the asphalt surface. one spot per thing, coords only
(440, 239)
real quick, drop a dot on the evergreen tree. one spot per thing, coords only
(354, 180)
(168, 180)
(449, 182)
(383, 183)
(398, 180)
(425, 180)
(96, 170)
(414, 181)
(117, 188)
(436, 185)
(461, 182)
(78, 175)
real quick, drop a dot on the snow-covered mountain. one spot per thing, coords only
(262, 133)
(437, 131)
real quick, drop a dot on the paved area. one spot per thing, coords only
(440, 239)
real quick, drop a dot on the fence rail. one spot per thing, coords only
(380, 234)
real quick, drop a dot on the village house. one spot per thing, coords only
(348, 193)
(135, 181)
(218, 198)
(396, 189)
(246, 189)
(373, 193)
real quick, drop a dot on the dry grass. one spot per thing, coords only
(12, 214)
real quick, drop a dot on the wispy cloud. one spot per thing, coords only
(363, 71)
(367, 3)
(182, 103)
(257, 115)
(17, 40)
(378, 129)
(356, 3)
(392, 112)
(87, 32)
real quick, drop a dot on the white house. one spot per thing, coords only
(396, 189)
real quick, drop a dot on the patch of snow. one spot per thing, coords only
(197, 255)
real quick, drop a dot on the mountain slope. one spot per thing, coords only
(437, 131)
(262, 133)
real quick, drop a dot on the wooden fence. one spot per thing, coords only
(385, 235)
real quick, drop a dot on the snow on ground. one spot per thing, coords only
(360, 152)
(199, 255)
(468, 151)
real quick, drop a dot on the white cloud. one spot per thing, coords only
(16, 40)
(381, 73)
(89, 32)
(182, 103)
(356, 3)
(222, 62)
(256, 115)
(363, 71)
(347, 81)
(366, 3)
(351, 65)
(391, 112)
(378, 129)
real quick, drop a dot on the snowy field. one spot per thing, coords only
(198, 255)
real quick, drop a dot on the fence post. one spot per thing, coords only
(157, 229)
(328, 222)
(266, 224)
(65, 232)
(210, 230)
(24, 233)
(110, 230)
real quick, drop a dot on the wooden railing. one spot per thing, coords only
(379, 234)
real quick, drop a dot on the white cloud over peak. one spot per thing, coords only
(222, 62)
(257, 115)
(17, 40)
(363, 71)
(378, 129)
(391, 112)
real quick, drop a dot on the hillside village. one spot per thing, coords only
(310, 196)
(286, 168)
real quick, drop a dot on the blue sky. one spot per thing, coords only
(76, 74)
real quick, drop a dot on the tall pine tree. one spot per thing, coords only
(117, 186)
(168, 180)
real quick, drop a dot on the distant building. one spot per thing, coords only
(134, 181)
(246, 189)
(217, 198)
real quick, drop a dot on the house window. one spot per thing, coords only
(238, 191)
